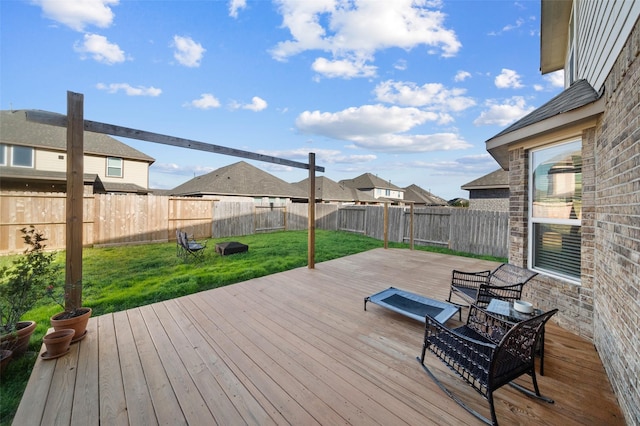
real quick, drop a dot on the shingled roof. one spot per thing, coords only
(418, 195)
(369, 181)
(16, 130)
(577, 103)
(239, 179)
(329, 190)
(496, 179)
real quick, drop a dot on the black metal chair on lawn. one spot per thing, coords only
(190, 247)
(504, 283)
(487, 353)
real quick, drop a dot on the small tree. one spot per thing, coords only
(22, 284)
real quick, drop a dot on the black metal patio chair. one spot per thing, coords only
(504, 283)
(472, 353)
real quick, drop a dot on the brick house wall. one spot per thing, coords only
(605, 307)
(495, 200)
(616, 244)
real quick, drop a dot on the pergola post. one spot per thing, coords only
(311, 238)
(74, 200)
(386, 225)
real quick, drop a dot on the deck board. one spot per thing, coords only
(298, 348)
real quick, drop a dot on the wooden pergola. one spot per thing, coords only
(76, 126)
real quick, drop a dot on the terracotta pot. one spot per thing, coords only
(18, 342)
(78, 323)
(5, 357)
(57, 343)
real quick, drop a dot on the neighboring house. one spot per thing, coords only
(33, 157)
(379, 189)
(422, 198)
(574, 174)
(242, 182)
(489, 192)
(329, 191)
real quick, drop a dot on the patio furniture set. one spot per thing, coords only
(497, 344)
(187, 247)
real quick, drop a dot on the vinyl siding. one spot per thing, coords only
(132, 171)
(50, 161)
(602, 29)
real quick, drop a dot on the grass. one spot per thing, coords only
(125, 277)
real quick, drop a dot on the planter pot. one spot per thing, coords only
(57, 343)
(78, 323)
(18, 342)
(5, 357)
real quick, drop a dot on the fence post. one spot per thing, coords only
(311, 238)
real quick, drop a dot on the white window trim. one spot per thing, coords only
(121, 175)
(531, 220)
(33, 157)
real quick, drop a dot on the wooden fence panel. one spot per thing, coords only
(111, 219)
(270, 218)
(353, 219)
(431, 226)
(191, 215)
(479, 231)
(232, 219)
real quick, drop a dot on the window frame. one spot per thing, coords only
(107, 174)
(4, 158)
(33, 157)
(532, 221)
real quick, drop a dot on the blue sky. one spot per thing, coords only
(408, 90)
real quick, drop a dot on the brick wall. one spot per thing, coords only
(616, 271)
(605, 307)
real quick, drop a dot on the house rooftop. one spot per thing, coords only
(369, 181)
(413, 193)
(239, 179)
(496, 179)
(329, 190)
(15, 129)
(579, 102)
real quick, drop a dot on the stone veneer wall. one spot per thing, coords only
(616, 274)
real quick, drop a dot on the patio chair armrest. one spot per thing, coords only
(469, 279)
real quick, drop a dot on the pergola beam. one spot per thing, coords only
(44, 117)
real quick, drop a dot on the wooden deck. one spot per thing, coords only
(297, 348)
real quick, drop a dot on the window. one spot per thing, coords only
(114, 167)
(22, 156)
(556, 209)
(3, 155)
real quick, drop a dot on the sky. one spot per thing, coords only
(408, 90)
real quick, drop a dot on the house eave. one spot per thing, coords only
(498, 147)
(554, 34)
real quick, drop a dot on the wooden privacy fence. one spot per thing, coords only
(117, 219)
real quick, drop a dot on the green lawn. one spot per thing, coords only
(125, 277)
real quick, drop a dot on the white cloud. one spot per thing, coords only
(79, 13)
(503, 113)
(343, 68)
(555, 79)
(508, 79)
(400, 65)
(462, 76)
(345, 29)
(430, 95)
(235, 6)
(379, 128)
(257, 104)
(187, 52)
(100, 49)
(177, 169)
(205, 101)
(327, 156)
(538, 87)
(129, 90)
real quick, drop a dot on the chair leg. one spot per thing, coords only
(455, 398)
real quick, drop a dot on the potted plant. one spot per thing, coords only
(57, 343)
(72, 316)
(21, 286)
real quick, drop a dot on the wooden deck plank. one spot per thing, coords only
(298, 348)
(113, 405)
(134, 382)
(165, 402)
(86, 398)
(59, 401)
(191, 402)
